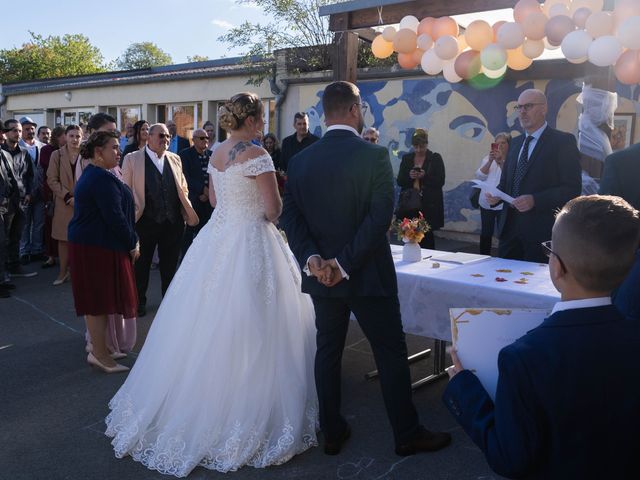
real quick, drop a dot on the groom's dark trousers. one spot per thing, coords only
(338, 203)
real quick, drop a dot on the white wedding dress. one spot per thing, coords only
(225, 378)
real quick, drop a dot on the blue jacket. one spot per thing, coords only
(567, 403)
(627, 296)
(103, 213)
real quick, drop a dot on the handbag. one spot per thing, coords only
(474, 198)
(410, 201)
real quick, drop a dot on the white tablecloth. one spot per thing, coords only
(427, 293)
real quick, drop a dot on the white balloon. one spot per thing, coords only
(593, 5)
(510, 35)
(548, 46)
(576, 44)
(559, 9)
(449, 73)
(629, 33)
(389, 33)
(410, 22)
(446, 47)
(495, 73)
(550, 3)
(493, 57)
(577, 60)
(425, 42)
(604, 51)
(532, 48)
(431, 63)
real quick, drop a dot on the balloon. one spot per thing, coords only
(532, 48)
(576, 45)
(445, 26)
(407, 60)
(495, 73)
(600, 24)
(524, 8)
(462, 43)
(424, 42)
(533, 26)
(550, 3)
(389, 33)
(605, 51)
(479, 34)
(559, 9)
(496, 27)
(627, 68)
(629, 33)
(577, 60)
(405, 41)
(593, 5)
(557, 28)
(468, 65)
(409, 22)
(548, 46)
(381, 48)
(493, 57)
(446, 47)
(431, 63)
(625, 9)
(516, 59)
(425, 26)
(449, 73)
(510, 35)
(580, 16)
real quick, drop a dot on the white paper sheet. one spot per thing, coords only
(479, 334)
(462, 258)
(492, 190)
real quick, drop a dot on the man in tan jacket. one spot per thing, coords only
(162, 207)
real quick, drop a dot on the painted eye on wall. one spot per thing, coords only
(469, 127)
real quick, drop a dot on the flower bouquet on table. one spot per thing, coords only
(411, 231)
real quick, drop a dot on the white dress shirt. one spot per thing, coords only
(533, 142)
(584, 303)
(492, 179)
(157, 161)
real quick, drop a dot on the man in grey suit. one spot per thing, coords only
(621, 175)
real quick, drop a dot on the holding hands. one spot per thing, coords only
(326, 272)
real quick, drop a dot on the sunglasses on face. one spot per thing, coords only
(370, 139)
(164, 135)
(202, 138)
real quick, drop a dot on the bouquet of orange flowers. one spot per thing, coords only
(411, 230)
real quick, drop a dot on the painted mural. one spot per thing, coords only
(462, 120)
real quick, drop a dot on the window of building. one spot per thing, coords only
(127, 115)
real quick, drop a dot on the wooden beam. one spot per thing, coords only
(345, 56)
(368, 34)
(369, 17)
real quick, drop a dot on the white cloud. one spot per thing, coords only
(222, 24)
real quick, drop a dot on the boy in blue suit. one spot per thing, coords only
(568, 398)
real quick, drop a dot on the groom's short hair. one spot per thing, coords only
(339, 97)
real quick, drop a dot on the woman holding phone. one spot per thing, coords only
(489, 172)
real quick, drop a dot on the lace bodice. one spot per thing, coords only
(237, 193)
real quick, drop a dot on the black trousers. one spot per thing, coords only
(515, 245)
(167, 237)
(379, 318)
(14, 221)
(488, 224)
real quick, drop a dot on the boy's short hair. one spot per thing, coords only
(597, 237)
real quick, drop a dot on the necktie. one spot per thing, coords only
(521, 168)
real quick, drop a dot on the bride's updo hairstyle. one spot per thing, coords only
(232, 115)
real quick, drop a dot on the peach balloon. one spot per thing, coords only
(550, 3)
(627, 68)
(524, 8)
(510, 35)
(449, 73)
(389, 33)
(462, 43)
(558, 9)
(479, 34)
(625, 9)
(599, 24)
(381, 48)
(533, 26)
(405, 41)
(446, 47)
(496, 27)
(557, 28)
(444, 26)
(417, 55)
(431, 63)
(593, 5)
(468, 65)
(532, 48)
(407, 61)
(629, 33)
(580, 16)
(425, 26)
(517, 60)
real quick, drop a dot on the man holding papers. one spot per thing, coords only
(567, 404)
(542, 172)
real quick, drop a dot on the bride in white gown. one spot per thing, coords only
(225, 378)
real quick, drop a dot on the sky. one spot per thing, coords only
(181, 28)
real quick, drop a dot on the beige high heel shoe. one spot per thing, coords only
(92, 360)
(60, 281)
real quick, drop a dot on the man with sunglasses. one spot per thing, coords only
(542, 172)
(371, 135)
(298, 141)
(195, 161)
(162, 206)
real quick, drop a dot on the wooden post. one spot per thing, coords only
(345, 57)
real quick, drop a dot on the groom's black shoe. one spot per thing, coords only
(333, 446)
(424, 441)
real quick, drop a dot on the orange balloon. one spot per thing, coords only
(517, 60)
(478, 35)
(627, 68)
(524, 8)
(407, 60)
(468, 64)
(405, 41)
(426, 25)
(533, 26)
(381, 48)
(444, 26)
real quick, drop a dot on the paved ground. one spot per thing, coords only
(52, 404)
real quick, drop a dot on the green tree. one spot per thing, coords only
(197, 58)
(49, 57)
(143, 55)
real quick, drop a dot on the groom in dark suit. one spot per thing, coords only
(338, 205)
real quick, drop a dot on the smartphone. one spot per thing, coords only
(494, 146)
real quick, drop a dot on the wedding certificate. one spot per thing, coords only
(480, 333)
(492, 190)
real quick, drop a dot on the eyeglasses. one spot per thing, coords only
(370, 139)
(164, 135)
(363, 107)
(202, 138)
(548, 251)
(526, 107)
